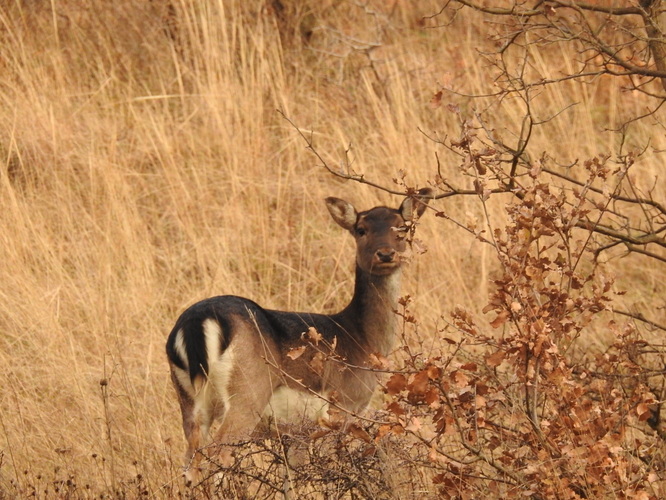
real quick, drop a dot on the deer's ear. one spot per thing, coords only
(413, 207)
(342, 212)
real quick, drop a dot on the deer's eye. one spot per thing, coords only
(360, 231)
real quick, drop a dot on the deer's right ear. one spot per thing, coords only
(413, 207)
(342, 212)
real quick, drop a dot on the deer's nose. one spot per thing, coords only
(385, 254)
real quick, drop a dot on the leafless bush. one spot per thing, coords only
(310, 461)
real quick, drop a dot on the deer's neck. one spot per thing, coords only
(371, 309)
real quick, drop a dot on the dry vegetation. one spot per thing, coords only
(144, 166)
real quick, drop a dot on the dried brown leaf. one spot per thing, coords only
(431, 397)
(378, 362)
(495, 359)
(396, 409)
(501, 318)
(419, 383)
(470, 367)
(396, 384)
(319, 434)
(296, 352)
(460, 379)
(434, 372)
(414, 425)
(436, 100)
(317, 363)
(643, 411)
(313, 335)
(358, 432)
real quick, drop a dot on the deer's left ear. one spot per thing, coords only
(342, 212)
(413, 207)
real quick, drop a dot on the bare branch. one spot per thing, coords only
(360, 178)
(640, 317)
(616, 11)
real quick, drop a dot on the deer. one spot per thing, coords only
(228, 356)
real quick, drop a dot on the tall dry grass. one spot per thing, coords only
(144, 167)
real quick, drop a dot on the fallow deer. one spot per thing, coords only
(228, 355)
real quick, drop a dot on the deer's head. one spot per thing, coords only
(380, 232)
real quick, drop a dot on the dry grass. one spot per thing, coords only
(138, 175)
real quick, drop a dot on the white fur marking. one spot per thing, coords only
(213, 399)
(212, 335)
(220, 364)
(220, 375)
(215, 389)
(179, 348)
(184, 381)
(288, 404)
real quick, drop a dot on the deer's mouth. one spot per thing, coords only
(382, 267)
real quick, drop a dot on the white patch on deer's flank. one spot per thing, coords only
(288, 404)
(212, 398)
(220, 365)
(179, 347)
(182, 374)
(212, 332)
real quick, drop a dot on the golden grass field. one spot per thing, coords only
(139, 174)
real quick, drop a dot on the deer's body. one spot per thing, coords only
(228, 355)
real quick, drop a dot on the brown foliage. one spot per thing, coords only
(528, 413)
